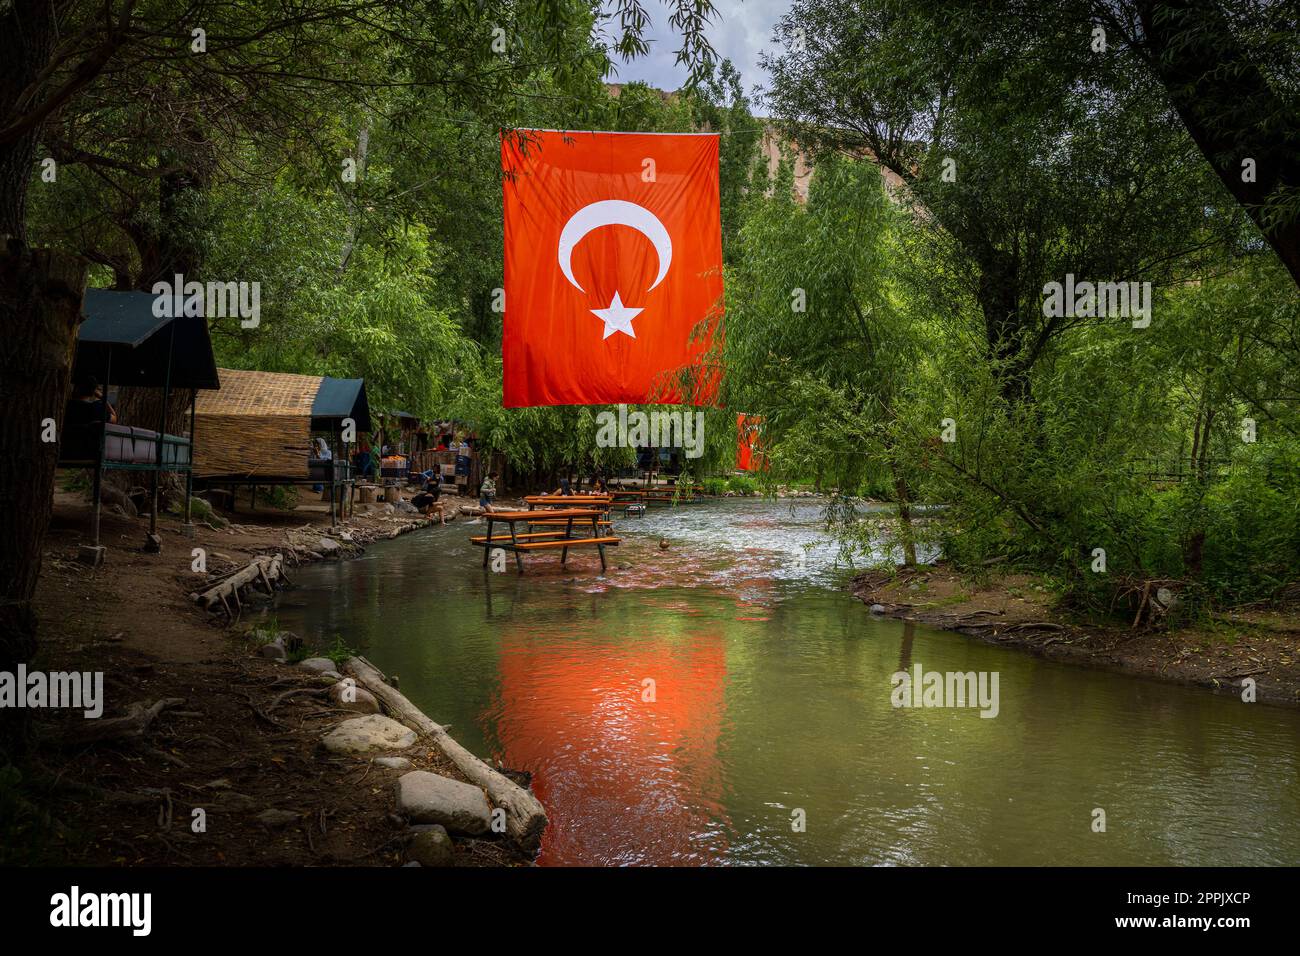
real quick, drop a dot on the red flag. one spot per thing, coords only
(613, 254)
(747, 442)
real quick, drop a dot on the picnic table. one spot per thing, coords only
(545, 505)
(520, 543)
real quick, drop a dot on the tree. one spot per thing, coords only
(1030, 157)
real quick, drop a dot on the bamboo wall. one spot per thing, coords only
(252, 445)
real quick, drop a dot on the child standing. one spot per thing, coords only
(487, 491)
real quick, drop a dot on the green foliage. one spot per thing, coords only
(742, 485)
(714, 486)
(339, 652)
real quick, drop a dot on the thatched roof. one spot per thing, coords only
(260, 394)
(324, 400)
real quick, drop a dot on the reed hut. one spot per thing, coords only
(262, 428)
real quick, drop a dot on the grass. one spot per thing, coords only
(339, 652)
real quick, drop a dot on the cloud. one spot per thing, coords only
(741, 30)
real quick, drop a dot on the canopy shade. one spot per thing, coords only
(121, 339)
(340, 398)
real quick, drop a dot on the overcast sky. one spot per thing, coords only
(740, 32)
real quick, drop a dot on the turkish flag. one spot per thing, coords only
(613, 255)
(748, 443)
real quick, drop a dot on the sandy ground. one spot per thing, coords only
(1018, 610)
(237, 745)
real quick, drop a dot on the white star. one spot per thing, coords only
(617, 318)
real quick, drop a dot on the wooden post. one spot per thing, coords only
(162, 427)
(189, 472)
(99, 465)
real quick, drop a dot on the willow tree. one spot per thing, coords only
(816, 343)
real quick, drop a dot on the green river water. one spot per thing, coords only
(772, 705)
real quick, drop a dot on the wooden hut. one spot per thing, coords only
(262, 428)
(121, 341)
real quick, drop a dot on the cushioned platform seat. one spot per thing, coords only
(123, 445)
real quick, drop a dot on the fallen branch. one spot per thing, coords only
(525, 816)
(266, 568)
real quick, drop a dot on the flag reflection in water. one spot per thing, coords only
(624, 779)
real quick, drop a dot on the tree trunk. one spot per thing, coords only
(1003, 326)
(40, 307)
(1230, 110)
(903, 493)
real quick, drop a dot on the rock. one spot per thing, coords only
(360, 735)
(877, 609)
(276, 818)
(274, 651)
(321, 665)
(429, 798)
(349, 696)
(411, 863)
(393, 763)
(431, 846)
(328, 546)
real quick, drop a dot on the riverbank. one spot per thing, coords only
(226, 765)
(1018, 610)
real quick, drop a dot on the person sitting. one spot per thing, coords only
(88, 406)
(427, 501)
(565, 488)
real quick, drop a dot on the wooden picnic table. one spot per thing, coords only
(519, 543)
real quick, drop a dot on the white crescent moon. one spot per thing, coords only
(614, 212)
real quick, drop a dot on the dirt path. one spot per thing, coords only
(237, 746)
(1017, 610)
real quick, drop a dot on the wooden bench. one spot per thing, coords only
(537, 540)
(566, 543)
(508, 537)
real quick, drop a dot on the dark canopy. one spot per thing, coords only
(123, 327)
(340, 398)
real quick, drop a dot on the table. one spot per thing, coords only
(519, 543)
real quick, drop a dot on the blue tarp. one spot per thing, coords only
(340, 398)
(121, 326)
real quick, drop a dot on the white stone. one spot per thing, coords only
(321, 665)
(362, 701)
(359, 735)
(425, 797)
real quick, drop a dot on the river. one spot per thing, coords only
(725, 701)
